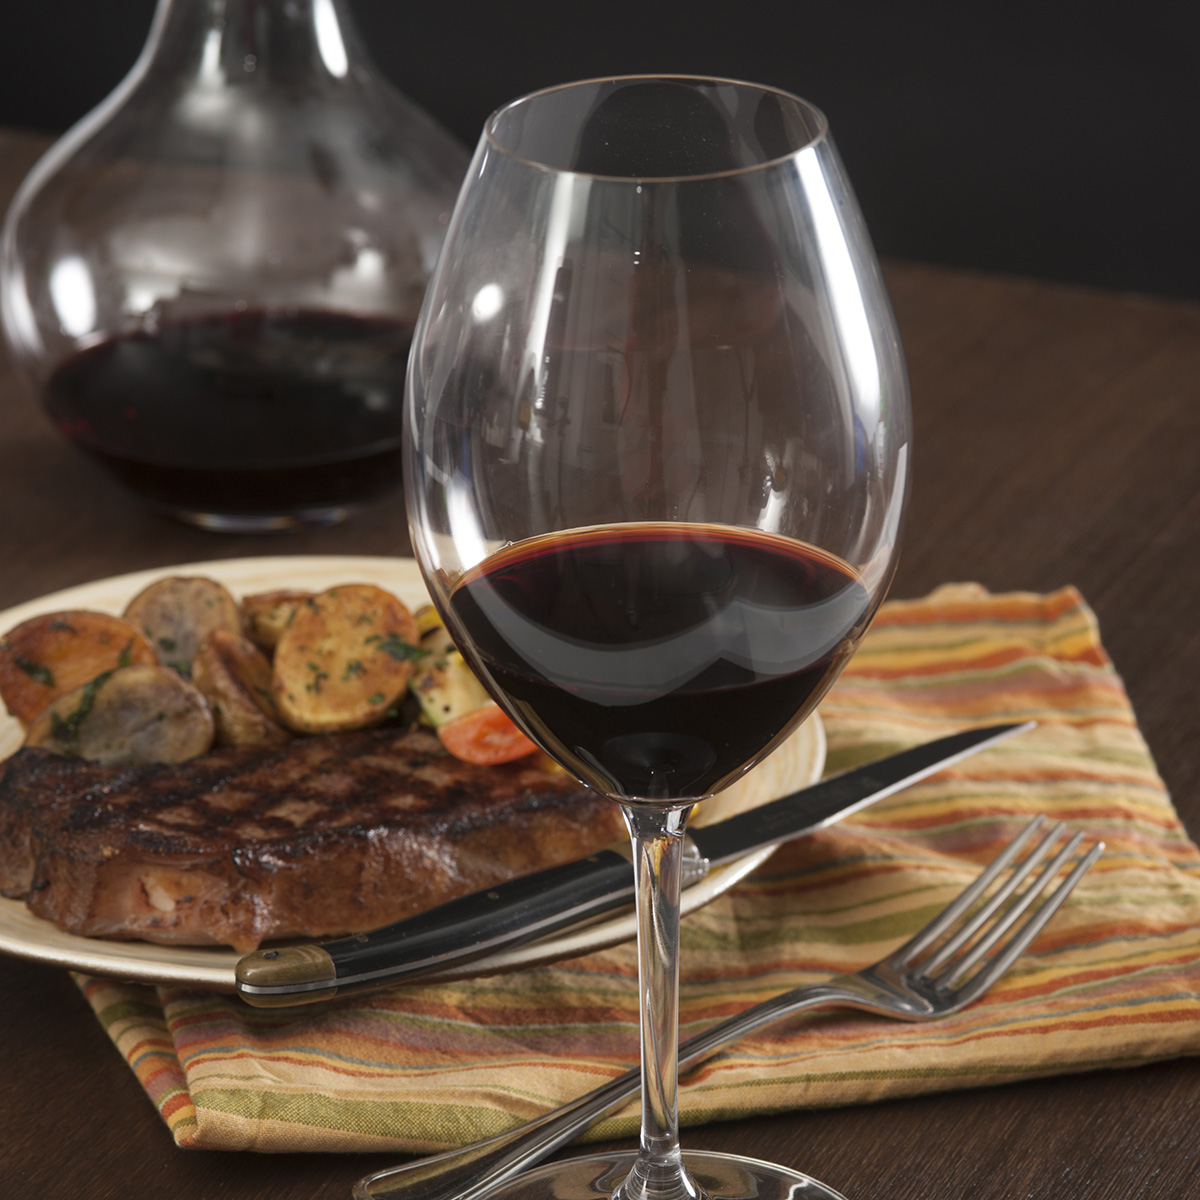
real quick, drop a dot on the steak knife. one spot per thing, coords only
(545, 902)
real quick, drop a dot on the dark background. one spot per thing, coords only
(1053, 139)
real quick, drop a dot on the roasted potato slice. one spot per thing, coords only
(48, 656)
(140, 714)
(235, 677)
(177, 613)
(265, 615)
(344, 659)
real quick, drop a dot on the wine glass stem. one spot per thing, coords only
(657, 835)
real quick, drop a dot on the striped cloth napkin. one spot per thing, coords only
(1113, 981)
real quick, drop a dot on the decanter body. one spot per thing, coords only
(211, 281)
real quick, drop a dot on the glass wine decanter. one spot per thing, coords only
(657, 451)
(211, 281)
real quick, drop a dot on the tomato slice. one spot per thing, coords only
(485, 737)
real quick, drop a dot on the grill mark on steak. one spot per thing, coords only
(326, 835)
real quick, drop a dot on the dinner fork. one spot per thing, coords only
(927, 977)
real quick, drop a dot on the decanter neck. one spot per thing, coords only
(248, 42)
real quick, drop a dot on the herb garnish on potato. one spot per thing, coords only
(49, 655)
(344, 659)
(177, 613)
(140, 714)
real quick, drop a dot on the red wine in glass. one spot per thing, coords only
(659, 660)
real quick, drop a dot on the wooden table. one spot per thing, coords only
(1057, 436)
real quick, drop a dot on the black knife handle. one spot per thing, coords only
(509, 914)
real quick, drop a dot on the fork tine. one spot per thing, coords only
(1002, 926)
(1002, 894)
(945, 919)
(1019, 942)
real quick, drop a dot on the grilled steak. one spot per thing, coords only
(326, 835)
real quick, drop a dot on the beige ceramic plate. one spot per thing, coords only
(798, 762)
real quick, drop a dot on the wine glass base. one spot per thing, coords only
(720, 1177)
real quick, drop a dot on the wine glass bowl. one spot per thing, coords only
(656, 454)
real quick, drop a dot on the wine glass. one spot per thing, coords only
(657, 448)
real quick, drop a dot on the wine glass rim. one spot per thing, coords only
(821, 121)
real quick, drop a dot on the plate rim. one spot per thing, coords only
(24, 935)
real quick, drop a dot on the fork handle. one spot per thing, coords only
(471, 1171)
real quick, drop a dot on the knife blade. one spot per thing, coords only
(548, 901)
